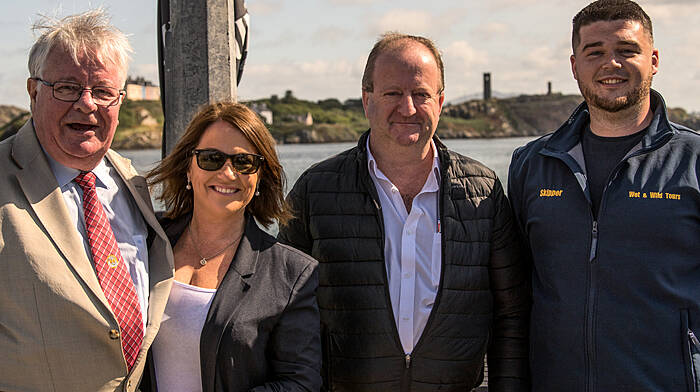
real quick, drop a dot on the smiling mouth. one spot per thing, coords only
(612, 81)
(226, 191)
(82, 127)
(406, 123)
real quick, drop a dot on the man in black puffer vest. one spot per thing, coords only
(420, 270)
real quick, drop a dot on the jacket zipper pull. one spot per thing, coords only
(408, 360)
(594, 241)
(694, 339)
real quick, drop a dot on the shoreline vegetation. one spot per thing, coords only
(293, 120)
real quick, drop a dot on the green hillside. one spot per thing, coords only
(330, 120)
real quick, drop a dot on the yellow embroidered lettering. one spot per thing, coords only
(551, 192)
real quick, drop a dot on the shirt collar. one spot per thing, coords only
(64, 175)
(432, 183)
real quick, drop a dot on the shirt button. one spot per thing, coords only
(406, 275)
(404, 318)
(409, 232)
(114, 334)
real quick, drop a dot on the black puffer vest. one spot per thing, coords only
(339, 222)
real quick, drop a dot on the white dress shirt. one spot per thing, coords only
(124, 216)
(412, 250)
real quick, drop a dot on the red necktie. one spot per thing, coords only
(111, 271)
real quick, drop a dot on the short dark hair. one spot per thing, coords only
(171, 172)
(392, 41)
(608, 10)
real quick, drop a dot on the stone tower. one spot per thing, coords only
(487, 85)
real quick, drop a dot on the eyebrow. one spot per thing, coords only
(600, 43)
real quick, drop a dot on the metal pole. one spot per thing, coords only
(198, 60)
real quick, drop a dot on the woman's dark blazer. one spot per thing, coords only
(262, 329)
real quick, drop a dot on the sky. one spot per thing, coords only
(318, 48)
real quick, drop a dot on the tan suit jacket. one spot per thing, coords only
(56, 326)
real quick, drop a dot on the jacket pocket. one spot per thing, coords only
(691, 353)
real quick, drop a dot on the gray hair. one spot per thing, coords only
(89, 33)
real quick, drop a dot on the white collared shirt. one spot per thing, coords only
(124, 216)
(412, 250)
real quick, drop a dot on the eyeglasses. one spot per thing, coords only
(70, 92)
(210, 159)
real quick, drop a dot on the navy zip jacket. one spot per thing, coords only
(616, 302)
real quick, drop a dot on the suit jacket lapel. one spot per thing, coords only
(41, 189)
(228, 297)
(159, 271)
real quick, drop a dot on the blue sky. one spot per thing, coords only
(317, 48)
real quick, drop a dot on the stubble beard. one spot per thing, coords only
(617, 104)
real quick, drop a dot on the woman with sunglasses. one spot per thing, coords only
(242, 314)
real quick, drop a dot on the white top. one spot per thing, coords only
(176, 347)
(124, 216)
(412, 250)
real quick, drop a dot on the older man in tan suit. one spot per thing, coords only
(85, 269)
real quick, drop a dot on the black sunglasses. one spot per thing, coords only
(210, 159)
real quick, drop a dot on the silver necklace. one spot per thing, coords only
(203, 260)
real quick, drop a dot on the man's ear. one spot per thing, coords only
(31, 89)
(655, 60)
(573, 66)
(365, 100)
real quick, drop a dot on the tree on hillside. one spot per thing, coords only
(330, 103)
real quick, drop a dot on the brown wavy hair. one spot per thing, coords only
(171, 172)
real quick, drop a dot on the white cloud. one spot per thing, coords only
(264, 7)
(282, 40)
(671, 2)
(504, 4)
(405, 21)
(329, 35)
(461, 54)
(545, 58)
(671, 11)
(354, 2)
(491, 30)
(312, 80)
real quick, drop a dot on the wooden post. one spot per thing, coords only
(199, 60)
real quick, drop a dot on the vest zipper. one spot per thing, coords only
(408, 359)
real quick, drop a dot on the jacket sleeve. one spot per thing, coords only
(296, 232)
(295, 344)
(509, 273)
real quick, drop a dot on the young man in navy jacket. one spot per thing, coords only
(610, 207)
